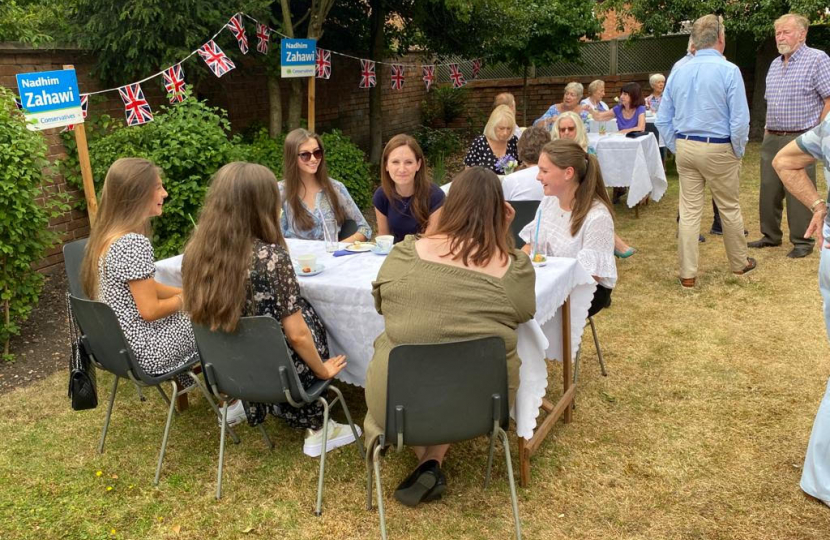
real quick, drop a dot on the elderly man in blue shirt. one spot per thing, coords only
(791, 164)
(704, 120)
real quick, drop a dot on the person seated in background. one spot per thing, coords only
(630, 113)
(522, 184)
(310, 197)
(657, 83)
(498, 140)
(462, 280)
(569, 126)
(118, 269)
(506, 98)
(570, 102)
(596, 91)
(406, 200)
(576, 218)
(236, 264)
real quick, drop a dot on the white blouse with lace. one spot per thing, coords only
(593, 245)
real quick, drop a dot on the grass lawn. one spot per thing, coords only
(698, 432)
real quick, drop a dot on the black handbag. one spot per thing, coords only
(82, 380)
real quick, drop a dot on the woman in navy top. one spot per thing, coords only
(631, 111)
(405, 201)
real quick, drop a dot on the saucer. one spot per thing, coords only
(364, 246)
(377, 251)
(314, 272)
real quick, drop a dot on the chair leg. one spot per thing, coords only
(490, 459)
(599, 350)
(222, 431)
(212, 404)
(513, 498)
(170, 412)
(164, 396)
(109, 414)
(576, 365)
(265, 437)
(319, 509)
(349, 420)
(379, 489)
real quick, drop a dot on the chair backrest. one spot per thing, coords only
(525, 213)
(447, 392)
(348, 228)
(102, 336)
(246, 363)
(73, 256)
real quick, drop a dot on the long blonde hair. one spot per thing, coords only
(581, 138)
(294, 184)
(125, 202)
(241, 206)
(566, 153)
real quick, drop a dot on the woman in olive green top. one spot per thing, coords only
(461, 280)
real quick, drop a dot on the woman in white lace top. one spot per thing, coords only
(575, 218)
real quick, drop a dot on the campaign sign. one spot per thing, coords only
(50, 98)
(298, 57)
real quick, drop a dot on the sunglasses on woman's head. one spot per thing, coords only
(306, 156)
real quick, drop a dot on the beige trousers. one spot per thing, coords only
(698, 164)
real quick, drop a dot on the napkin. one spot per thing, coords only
(343, 252)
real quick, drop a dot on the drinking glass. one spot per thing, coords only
(330, 234)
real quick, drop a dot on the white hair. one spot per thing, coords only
(656, 78)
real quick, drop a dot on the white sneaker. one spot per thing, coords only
(338, 435)
(236, 414)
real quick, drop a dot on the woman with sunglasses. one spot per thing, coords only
(309, 196)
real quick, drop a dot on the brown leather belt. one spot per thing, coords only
(774, 132)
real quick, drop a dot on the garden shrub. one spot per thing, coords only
(437, 143)
(188, 142)
(443, 105)
(24, 234)
(264, 150)
(347, 163)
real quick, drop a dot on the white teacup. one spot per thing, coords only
(309, 260)
(384, 242)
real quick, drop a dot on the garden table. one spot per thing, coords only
(341, 296)
(634, 163)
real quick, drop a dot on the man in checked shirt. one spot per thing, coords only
(798, 98)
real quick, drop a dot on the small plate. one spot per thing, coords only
(539, 264)
(316, 271)
(364, 246)
(377, 251)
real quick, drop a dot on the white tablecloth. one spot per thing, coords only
(341, 296)
(634, 163)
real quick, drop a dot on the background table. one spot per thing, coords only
(341, 296)
(634, 163)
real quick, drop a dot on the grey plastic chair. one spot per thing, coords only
(104, 341)
(73, 256)
(525, 213)
(253, 364)
(592, 311)
(440, 394)
(348, 228)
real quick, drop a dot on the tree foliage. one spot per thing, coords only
(34, 22)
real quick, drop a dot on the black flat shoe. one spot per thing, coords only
(426, 483)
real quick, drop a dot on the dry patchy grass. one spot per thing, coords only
(698, 432)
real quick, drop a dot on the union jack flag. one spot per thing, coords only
(84, 110)
(174, 83)
(323, 64)
(476, 67)
(429, 76)
(263, 34)
(136, 107)
(456, 76)
(367, 74)
(216, 60)
(397, 76)
(238, 30)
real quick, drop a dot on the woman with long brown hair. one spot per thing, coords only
(236, 264)
(310, 197)
(575, 218)
(461, 280)
(406, 200)
(119, 268)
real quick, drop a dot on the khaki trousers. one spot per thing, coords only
(698, 164)
(770, 203)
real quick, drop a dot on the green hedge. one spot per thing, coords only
(24, 234)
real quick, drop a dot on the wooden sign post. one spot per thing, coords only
(86, 167)
(311, 98)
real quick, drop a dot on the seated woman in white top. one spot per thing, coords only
(575, 218)
(596, 91)
(522, 184)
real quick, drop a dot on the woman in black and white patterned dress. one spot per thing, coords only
(118, 269)
(497, 141)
